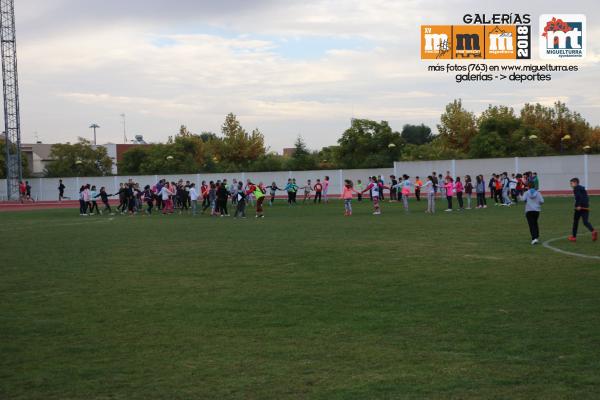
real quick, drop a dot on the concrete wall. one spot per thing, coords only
(554, 173)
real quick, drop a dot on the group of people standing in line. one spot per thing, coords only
(214, 197)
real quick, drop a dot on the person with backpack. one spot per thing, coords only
(582, 210)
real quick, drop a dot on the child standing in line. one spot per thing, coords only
(318, 191)
(193, 193)
(418, 185)
(104, 197)
(468, 190)
(405, 190)
(272, 192)
(149, 199)
(449, 188)
(441, 185)
(93, 195)
(459, 188)
(326, 189)
(307, 191)
(359, 189)
(240, 210)
(429, 188)
(347, 191)
(533, 206)
(375, 189)
(582, 210)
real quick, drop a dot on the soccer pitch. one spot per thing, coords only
(305, 303)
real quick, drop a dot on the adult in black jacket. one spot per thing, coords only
(582, 210)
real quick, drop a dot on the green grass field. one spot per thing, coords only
(305, 304)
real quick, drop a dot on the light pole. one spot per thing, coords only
(124, 128)
(562, 142)
(94, 127)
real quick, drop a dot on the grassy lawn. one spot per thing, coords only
(303, 304)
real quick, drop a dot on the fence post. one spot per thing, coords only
(341, 172)
(454, 168)
(290, 174)
(585, 169)
(198, 180)
(395, 169)
(244, 177)
(517, 165)
(39, 189)
(76, 188)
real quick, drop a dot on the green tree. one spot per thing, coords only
(79, 159)
(416, 134)
(302, 159)
(369, 144)
(24, 163)
(457, 126)
(238, 147)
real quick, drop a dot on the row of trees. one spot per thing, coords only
(498, 131)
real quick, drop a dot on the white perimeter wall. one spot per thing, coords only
(554, 173)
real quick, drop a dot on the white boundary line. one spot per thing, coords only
(546, 244)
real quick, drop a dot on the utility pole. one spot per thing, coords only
(94, 127)
(10, 86)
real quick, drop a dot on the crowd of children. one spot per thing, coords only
(214, 197)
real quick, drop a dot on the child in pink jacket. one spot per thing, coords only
(449, 186)
(347, 192)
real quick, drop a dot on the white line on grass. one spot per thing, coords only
(546, 244)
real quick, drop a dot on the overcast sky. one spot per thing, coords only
(287, 67)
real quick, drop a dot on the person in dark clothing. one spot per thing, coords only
(582, 210)
(222, 196)
(61, 190)
(240, 195)
(104, 197)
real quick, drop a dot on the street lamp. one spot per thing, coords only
(94, 127)
(562, 142)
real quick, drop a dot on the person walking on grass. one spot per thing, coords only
(347, 192)
(222, 196)
(61, 190)
(259, 193)
(582, 210)
(404, 190)
(418, 186)
(167, 201)
(533, 206)
(359, 189)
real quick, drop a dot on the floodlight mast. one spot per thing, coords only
(10, 81)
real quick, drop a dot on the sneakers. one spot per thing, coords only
(572, 239)
(535, 241)
(448, 210)
(594, 235)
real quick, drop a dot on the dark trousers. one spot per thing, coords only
(480, 199)
(150, 204)
(449, 198)
(223, 206)
(107, 206)
(532, 221)
(240, 210)
(94, 207)
(359, 197)
(583, 215)
(418, 194)
(318, 197)
(82, 207)
(459, 197)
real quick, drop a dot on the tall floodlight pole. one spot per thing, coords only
(124, 128)
(10, 80)
(94, 127)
